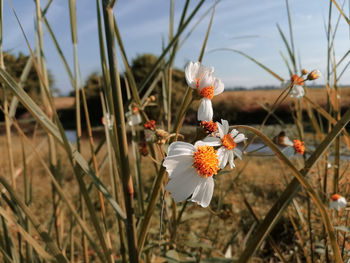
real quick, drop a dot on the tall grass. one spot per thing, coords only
(125, 214)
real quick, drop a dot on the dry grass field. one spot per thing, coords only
(251, 100)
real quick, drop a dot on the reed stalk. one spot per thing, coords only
(122, 140)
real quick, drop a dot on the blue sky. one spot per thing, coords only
(248, 26)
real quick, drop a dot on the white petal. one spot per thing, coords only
(297, 92)
(342, 202)
(335, 205)
(181, 187)
(212, 141)
(230, 159)
(233, 133)
(220, 130)
(205, 110)
(239, 138)
(191, 72)
(204, 191)
(287, 141)
(204, 69)
(225, 126)
(222, 156)
(180, 148)
(238, 153)
(178, 164)
(206, 80)
(218, 86)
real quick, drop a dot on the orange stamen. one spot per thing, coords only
(207, 92)
(335, 197)
(209, 126)
(206, 161)
(228, 142)
(299, 146)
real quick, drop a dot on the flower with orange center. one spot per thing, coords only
(299, 146)
(227, 142)
(133, 116)
(209, 126)
(206, 161)
(191, 169)
(201, 78)
(297, 90)
(337, 202)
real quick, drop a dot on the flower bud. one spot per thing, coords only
(304, 71)
(315, 74)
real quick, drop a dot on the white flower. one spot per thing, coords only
(107, 120)
(201, 78)
(133, 118)
(337, 202)
(228, 142)
(191, 169)
(297, 92)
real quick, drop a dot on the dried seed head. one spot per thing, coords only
(161, 133)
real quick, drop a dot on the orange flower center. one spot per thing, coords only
(228, 142)
(297, 80)
(209, 126)
(206, 92)
(335, 197)
(206, 161)
(299, 146)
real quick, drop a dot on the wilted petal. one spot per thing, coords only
(205, 110)
(204, 191)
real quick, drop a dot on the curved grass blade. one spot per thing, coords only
(38, 226)
(167, 48)
(38, 248)
(290, 52)
(60, 191)
(276, 211)
(50, 127)
(341, 11)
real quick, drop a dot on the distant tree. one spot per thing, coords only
(93, 85)
(141, 67)
(14, 65)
